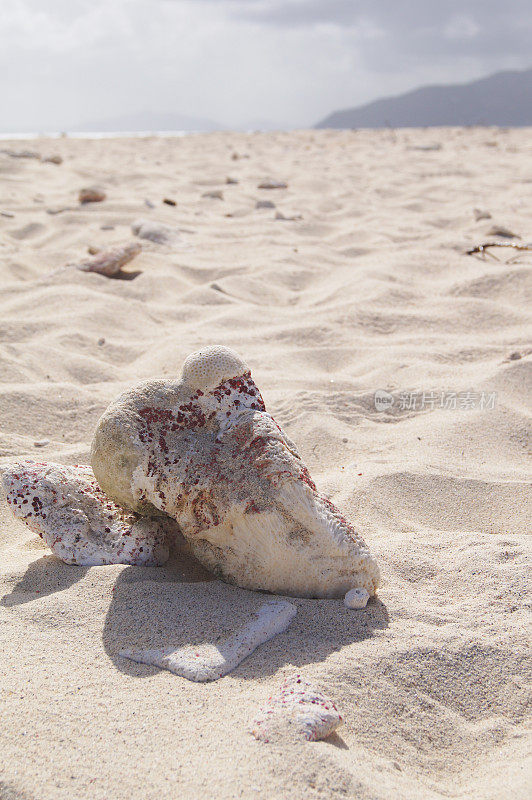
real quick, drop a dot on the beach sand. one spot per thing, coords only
(369, 290)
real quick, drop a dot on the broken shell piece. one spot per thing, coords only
(356, 598)
(110, 262)
(208, 662)
(205, 451)
(91, 195)
(53, 211)
(156, 232)
(298, 708)
(293, 218)
(270, 184)
(68, 510)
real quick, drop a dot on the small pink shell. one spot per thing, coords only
(110, 262)
(299, 708)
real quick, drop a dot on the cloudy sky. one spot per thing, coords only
(289, 62)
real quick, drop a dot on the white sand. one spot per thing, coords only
(369, 290)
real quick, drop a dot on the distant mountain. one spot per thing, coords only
(501, 99)
(148, 121)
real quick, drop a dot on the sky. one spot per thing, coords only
(241, 62)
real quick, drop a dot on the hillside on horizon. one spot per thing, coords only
(504, 98)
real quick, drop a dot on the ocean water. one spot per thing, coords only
(95, 134)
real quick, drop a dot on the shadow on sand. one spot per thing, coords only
(45, 576)
(181, 604)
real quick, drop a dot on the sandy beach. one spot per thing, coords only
(354, 281)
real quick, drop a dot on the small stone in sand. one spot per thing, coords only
(91, 195)
(169, 201)
(156, 232)
(515, 356)
(426, 147)
(41, 443)
(264, 204)
(231, 180)
(107, 227)
(480, 214)
(216, 194)
(52, 160)
(356, 598)
(280, 215)
(93, 249)
(101, 341)
(270, 184)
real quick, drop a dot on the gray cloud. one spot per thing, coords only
(416, 27)
(67, 61)
(398, 14)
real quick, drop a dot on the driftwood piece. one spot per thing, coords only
(483, 250)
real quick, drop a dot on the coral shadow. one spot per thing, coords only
(44, 576)
(336, 740)
(176, 606)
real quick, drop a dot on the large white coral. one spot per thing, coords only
(204, 451)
